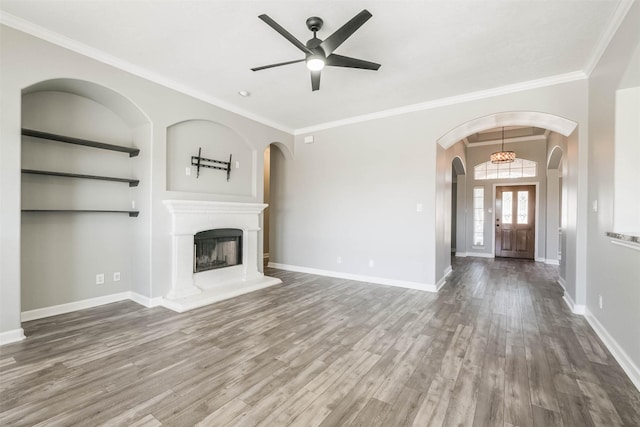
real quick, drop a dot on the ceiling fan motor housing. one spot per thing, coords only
(314, 23)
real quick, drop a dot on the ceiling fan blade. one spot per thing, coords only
(336, 39)
(264, 67)
(346, 61)
(315, 80)
(297, 43)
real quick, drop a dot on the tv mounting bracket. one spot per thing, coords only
(201, 162)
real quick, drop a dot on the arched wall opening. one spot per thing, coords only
(561, 132)
(83, 238)
(274, 154)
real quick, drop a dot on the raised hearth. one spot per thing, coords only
(191, 290)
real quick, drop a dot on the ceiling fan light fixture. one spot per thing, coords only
(315, 62)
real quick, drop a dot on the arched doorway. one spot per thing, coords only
(561, 132)
(273, 156)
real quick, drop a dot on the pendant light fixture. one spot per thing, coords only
(502, 156)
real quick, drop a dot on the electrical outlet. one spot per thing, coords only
(371, 263)
(419, 207)
(339, 260)
(116, 276)
(600, 301)
(100, 279)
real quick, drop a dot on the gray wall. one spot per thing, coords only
(21, 57)
(353, 192)
(613, 271)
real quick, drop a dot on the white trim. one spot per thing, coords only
(357, 277)
(573, 307)
(552, 261)
(266, 255)
(630, 245)
(55, 310)
(146, 301)
(443, 280)
(453, 100)
(461, 254)
(623, 359)
(14, 335)
(99, 55)
(509, 118)
(607, 35)
(478, 255)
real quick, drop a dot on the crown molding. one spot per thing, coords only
(101, 56)
(459, 99)
(607, 35)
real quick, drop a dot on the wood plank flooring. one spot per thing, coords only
(496, 347)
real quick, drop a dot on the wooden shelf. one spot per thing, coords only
(88, 143)
(131, 182)
(131, 213)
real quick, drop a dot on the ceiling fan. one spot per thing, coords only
(319, 53)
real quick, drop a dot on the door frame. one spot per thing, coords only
(537, 221)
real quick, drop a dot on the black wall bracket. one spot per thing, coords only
(200, 162)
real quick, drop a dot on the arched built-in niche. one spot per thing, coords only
(67, 238)
(215, 141)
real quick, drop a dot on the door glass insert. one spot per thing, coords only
(523, 207)
(507, 207)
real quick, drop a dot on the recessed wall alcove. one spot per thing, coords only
(74, 221)
(214, 141)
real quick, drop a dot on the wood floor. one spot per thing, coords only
(496, 347)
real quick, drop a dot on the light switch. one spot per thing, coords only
(237, 164)
(188, 171)
(595, 206)
(419, 207)
(308, 139)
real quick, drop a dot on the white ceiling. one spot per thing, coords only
(429, 50)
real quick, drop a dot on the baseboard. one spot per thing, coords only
(443, 280)
(552, 262)
(145, 301)
(266, 255)
(357, 277)
(11, 336)
(628, 366)
(573, 307)
(55, 310)
(479, 255)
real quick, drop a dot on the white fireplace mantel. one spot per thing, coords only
(188, 217)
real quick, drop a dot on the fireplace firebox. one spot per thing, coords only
(217, 248)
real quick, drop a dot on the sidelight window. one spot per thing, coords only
(478, 216)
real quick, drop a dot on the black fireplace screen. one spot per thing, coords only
(217, 249)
